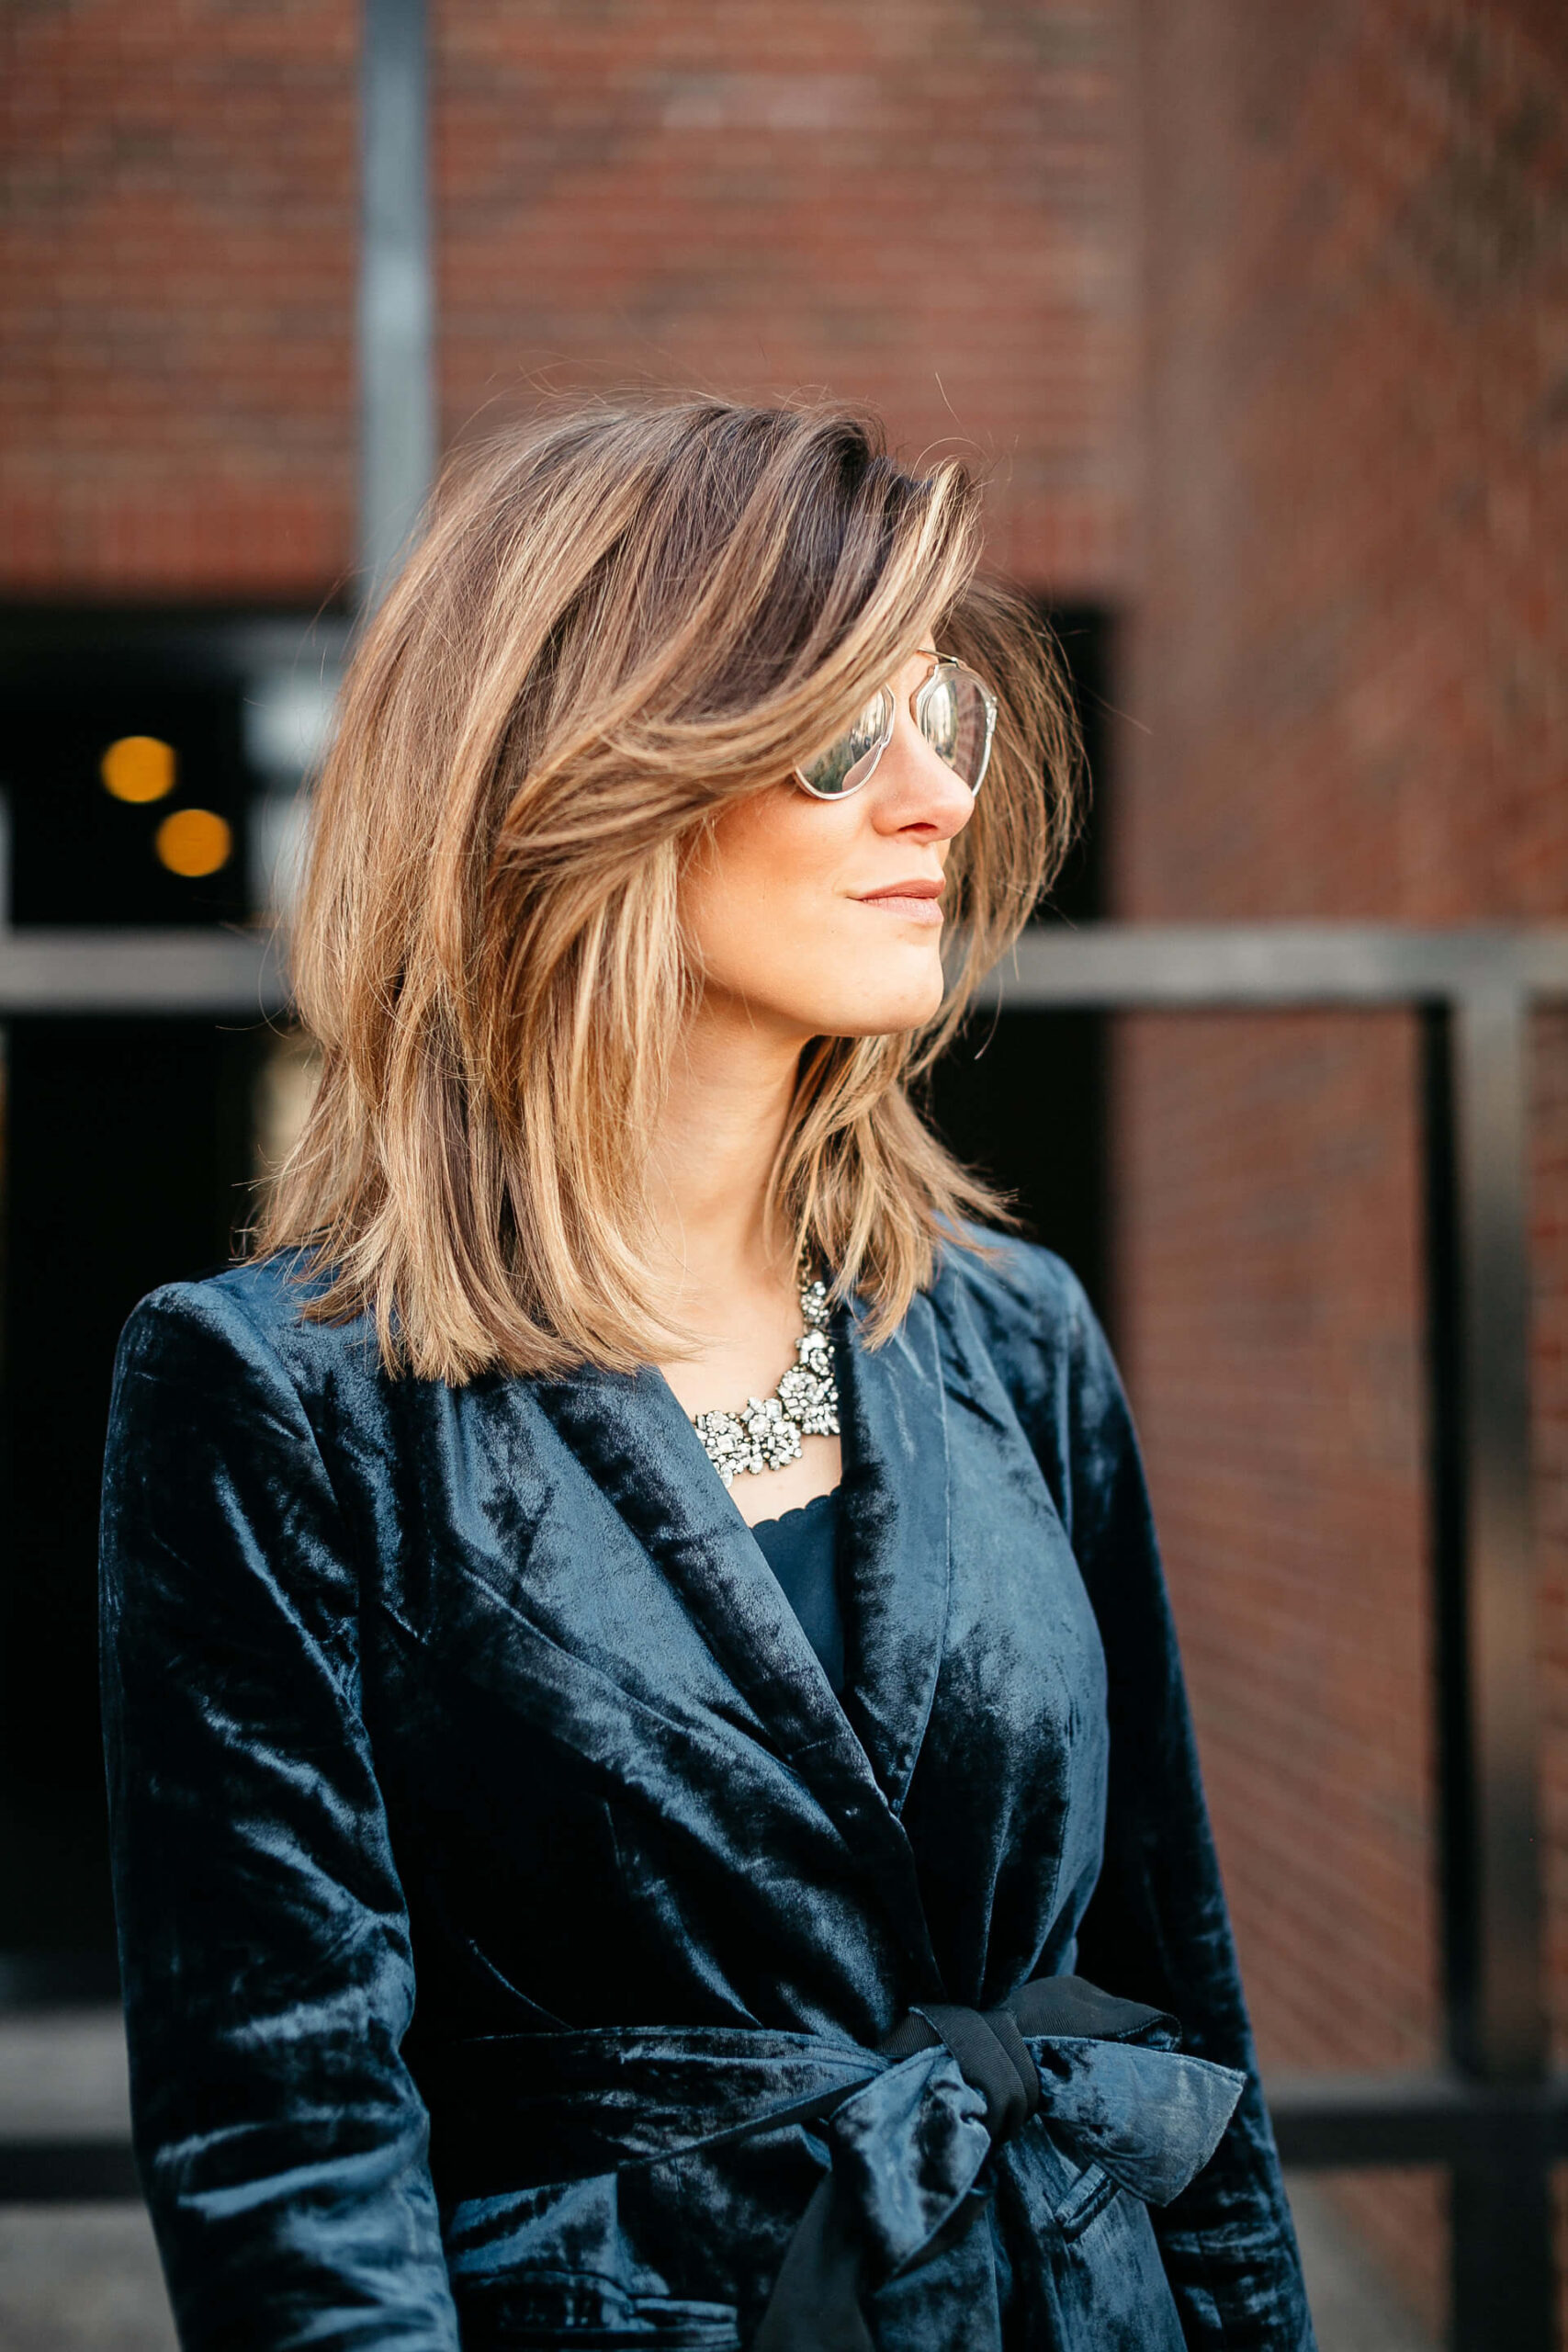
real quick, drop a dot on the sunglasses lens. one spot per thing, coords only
(848, 762)
(957, 721)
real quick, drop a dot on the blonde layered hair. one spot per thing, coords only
(619, 620)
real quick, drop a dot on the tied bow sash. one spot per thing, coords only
(908, 2149)
(907, 2128)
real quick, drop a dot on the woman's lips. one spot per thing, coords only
(916, 901)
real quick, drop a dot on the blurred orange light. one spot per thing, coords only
(139, 767)
(193, 842)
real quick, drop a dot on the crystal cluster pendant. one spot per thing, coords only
(804, 1404)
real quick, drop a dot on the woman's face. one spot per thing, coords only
(823, 918)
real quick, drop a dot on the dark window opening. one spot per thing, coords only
(1022, 1096)
(133, 772)
(128, 1148)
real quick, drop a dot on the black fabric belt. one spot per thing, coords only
(816, 2302)
(909, 2126)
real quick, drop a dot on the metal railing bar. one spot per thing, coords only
(66, 2172)
(200, 974)
(1447, 1483)
(1115, 967)
(1323, 2121)
(397, 305)
(1490, 1046)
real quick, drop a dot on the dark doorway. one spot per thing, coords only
(125, 1155)
(1022, 1095)
(130, 1145)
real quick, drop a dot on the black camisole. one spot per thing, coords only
(802, 1549)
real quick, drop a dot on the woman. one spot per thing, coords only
(602, 1862)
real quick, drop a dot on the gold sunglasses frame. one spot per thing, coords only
(940, 662)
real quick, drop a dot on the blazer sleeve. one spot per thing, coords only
(263, 1939)
(1156, 1927)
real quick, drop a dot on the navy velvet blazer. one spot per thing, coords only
(523, 1946)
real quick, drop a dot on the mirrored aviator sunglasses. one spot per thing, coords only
(954, 710)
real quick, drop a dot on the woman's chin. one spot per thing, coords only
(881, 1012)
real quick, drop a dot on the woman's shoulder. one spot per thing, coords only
(253, 1309)
(1026, 1312)
(1019, 1292)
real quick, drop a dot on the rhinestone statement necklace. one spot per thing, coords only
(804, 1404)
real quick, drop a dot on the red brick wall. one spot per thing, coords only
(1354, 666)
(1352, 663)
(177, 300)
(924, 206)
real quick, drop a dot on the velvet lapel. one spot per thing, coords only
(636, 1444)
(894, 1556)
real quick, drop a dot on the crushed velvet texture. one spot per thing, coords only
(489, 1693)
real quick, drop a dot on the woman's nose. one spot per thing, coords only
(913, 789)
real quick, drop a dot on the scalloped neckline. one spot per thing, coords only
(799, 1510)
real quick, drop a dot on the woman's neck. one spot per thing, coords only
(724, 1119)
(734, 1281)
